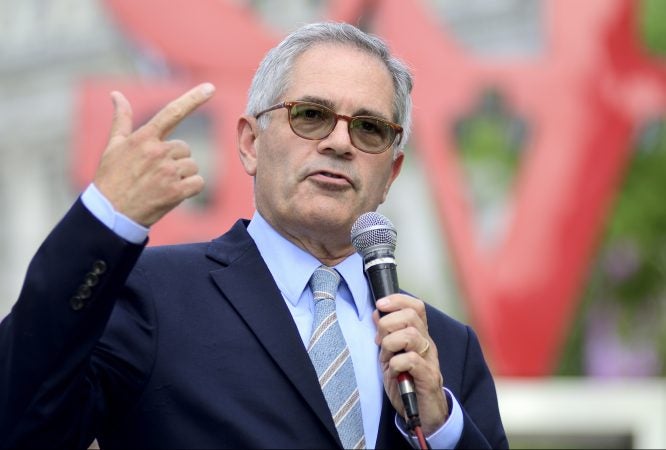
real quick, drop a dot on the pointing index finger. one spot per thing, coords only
(172, 114)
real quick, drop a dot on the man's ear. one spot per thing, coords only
(247, 137)
(395, 171)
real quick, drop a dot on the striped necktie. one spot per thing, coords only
(330, 357)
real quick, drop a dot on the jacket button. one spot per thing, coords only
(99, 267)
(83, 291)
(91, 279)
(76, 303)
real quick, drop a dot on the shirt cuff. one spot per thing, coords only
(100, 207)
(448, 435)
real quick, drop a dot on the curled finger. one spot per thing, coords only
(192, 185)
(187, 167)
(177, 149)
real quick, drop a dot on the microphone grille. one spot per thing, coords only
(373, 230)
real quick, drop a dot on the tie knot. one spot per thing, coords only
(324, 283)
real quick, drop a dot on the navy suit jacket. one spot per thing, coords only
(183, 346)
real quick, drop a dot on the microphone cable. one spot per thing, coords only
(412, 419)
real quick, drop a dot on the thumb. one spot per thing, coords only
(121, 126)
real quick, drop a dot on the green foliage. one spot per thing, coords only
(640, 217)
(653, 31)
(490, 133)
(490, 139)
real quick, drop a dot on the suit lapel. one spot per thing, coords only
(247, 284)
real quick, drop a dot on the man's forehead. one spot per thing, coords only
(332, 72)
(348, 50)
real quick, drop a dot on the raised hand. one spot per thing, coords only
(143, 175)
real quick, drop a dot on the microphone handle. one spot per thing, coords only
(383, 280)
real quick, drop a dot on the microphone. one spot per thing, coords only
(374, 237)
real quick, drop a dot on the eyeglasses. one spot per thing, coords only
(314, 121)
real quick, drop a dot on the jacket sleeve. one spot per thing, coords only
(482, 426)
(467, 376)
(50, 396)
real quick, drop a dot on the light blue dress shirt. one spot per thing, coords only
(291, 268)
(120, 224)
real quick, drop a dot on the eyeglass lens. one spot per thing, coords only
(312, 121)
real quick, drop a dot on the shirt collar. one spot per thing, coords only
(292, 266)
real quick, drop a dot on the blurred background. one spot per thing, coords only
(530, 204)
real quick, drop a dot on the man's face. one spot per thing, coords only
(309, 189)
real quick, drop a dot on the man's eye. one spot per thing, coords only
(368, 126)
(312, 113)
(308, 113)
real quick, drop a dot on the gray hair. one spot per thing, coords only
(272, 77)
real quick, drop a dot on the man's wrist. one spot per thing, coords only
(100, 207)
(448, 435)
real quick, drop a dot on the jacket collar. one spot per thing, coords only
(245, 281)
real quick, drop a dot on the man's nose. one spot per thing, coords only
(340, 140)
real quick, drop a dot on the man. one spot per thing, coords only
(213, 344)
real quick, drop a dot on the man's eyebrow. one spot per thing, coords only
(329, 104)
(318, 100)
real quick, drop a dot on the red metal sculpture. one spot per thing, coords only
(583, 98)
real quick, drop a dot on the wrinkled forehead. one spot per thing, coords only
(345, 76)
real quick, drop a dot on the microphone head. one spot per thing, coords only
(372, 231)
